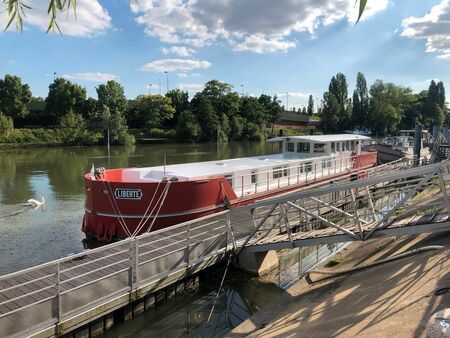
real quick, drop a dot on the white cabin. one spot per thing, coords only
(303, 159)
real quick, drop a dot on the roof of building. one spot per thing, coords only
(322, 138)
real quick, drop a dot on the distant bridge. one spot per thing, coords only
(59, 296)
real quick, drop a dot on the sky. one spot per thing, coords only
(257, 46)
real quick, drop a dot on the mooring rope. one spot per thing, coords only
(151, 212)
(146, 211)
(117, 213)
(160, 205)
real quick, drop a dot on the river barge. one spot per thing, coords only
(126, 202)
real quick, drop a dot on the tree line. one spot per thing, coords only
(217, 113)
(383, 108)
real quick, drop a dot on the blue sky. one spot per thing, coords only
(267, 46)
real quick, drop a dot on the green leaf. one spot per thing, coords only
(362, 6)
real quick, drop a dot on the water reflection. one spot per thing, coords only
(29, 237)
(187, 316)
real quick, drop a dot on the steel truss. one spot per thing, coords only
(388, 204)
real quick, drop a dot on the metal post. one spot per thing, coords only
(58, 292)
(189, 244)
(444, 192)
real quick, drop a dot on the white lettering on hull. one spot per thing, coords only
(128, 194)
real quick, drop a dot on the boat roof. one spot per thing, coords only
(221, 167)
(322, 138)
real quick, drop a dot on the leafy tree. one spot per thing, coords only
(119, 130)
(14, 97)
(72, 127)
(206, 116)
(6, 126)
(63, 97)
(224, 128)
(112, 122)
(253, 132)
(339, 89)
(304, 111)
(237, 125)
(274, 112)
(253, 111)
(387, 105)
(180, 102)
(188, 128)
(310, 105)
(413, 112)
(89, 108)
(112, 95)
(330, 113)
(229, 104)
(434, 109)
(154, 109)
(360, 111)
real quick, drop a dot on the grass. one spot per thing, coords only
(333, 262)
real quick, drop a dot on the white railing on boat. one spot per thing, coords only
(301, 173)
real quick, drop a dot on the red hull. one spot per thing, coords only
(108, 218)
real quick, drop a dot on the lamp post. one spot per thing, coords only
(54, 76)
(150, 88)
(287, 101)
(159, 85)
(167, 80)
(242, 90)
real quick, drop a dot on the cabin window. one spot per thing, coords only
(333, 146)
(254, 176)
(326, 164)
(290, 146)
(319, 147)
(229, 178)
(285, 171)
(308, 167)
(338, 146)
(347, 145)
(303, 147)
(277, 172)
(301, 169)
(353, 146)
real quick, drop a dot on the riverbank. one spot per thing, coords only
(395, 299)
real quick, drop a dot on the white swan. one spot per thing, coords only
(36, 203)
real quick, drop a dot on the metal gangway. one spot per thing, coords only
(59, 296)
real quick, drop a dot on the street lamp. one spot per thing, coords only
(167, 79)
(54, 76)
(242, 90)
(150, 88)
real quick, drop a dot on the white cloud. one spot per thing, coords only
(172, 65)
(183, 75)
(177, 50)
(91, 18)
(434, 27)
(259, 44)
(295, 94)
(191, 87)
(93, 77)
(260, 26)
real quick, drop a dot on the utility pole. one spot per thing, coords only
(167, 79)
